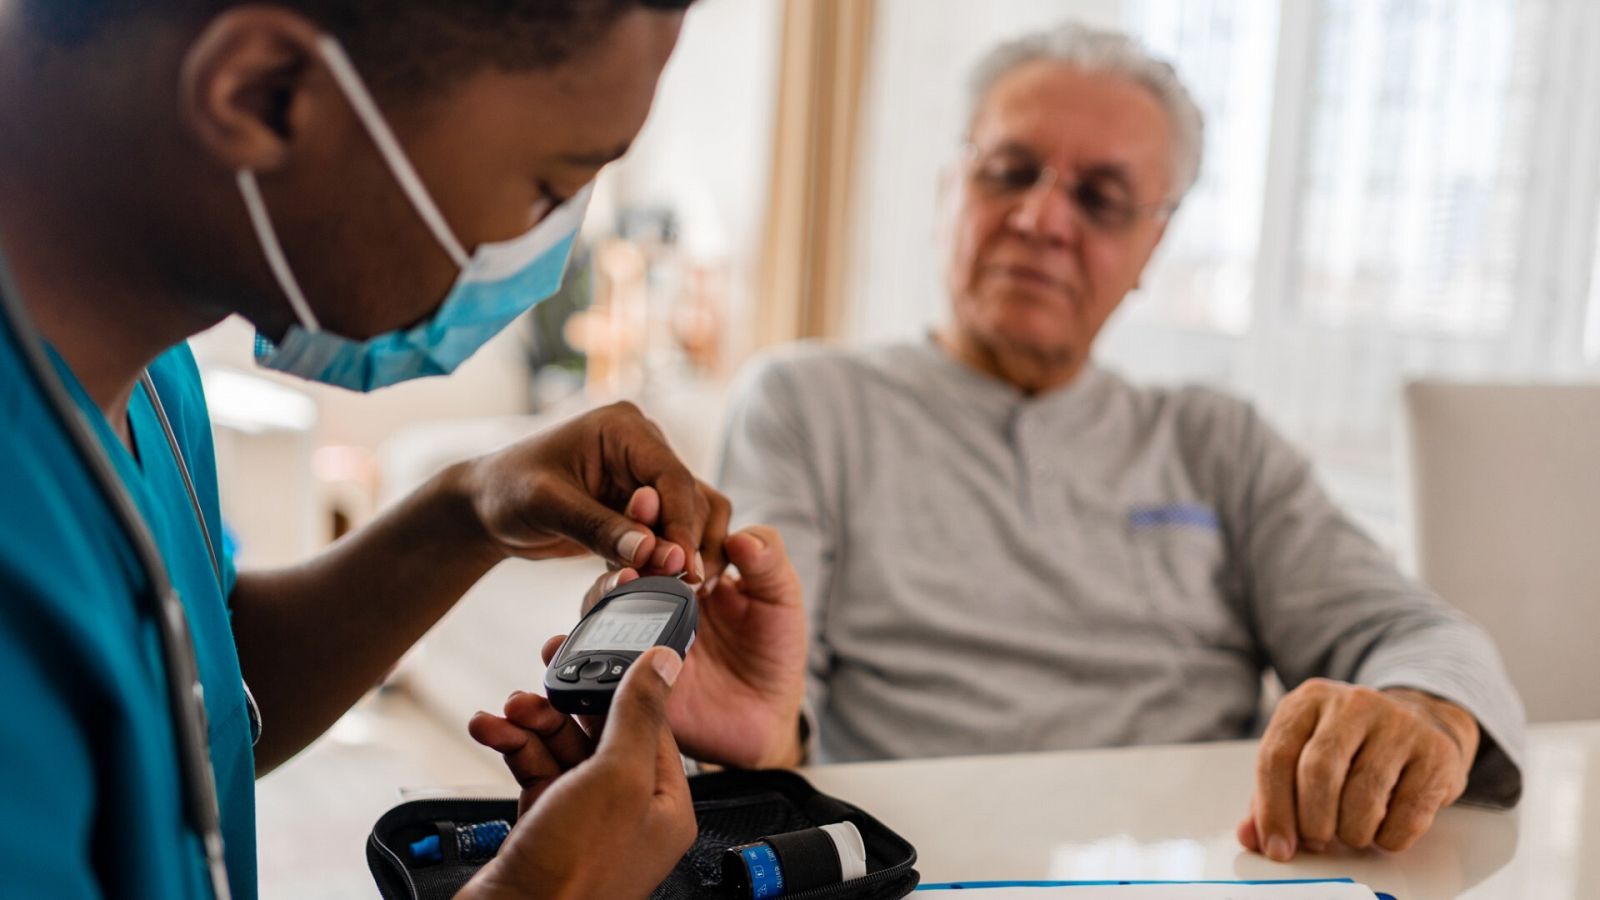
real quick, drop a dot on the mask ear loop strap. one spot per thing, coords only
(268, 236)
(344, 72)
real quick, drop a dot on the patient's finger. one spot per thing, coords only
(765, 573)
(1320, 774)
(1365, 801)
(1246, 834)
(1276, 766)
(1420, 794)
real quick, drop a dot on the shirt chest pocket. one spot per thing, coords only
(1180, 559)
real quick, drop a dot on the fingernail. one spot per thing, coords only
(668, 664)
(610, 584)
(658, 559)
(711, 586)
(1278, 848)
(628, 547)
(698, 572)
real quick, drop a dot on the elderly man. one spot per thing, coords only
(1005, 547)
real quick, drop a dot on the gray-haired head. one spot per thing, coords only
(1093, 50)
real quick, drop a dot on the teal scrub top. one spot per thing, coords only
(91, 792)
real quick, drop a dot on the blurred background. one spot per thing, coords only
(1394, 191)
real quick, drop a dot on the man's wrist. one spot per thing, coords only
(790, 752)
(1448, 716)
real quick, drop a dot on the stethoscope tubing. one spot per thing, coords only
(177, 646)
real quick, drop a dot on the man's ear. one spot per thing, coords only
(249, 81)
(1161, 231)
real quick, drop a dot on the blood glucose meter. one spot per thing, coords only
(658, 611)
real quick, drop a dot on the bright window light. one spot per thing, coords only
(254, 405)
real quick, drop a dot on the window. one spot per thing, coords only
(1225, 52)
(1416, 170)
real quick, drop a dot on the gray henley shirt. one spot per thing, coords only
(1100, 565)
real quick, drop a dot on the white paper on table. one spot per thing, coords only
(1322, 891)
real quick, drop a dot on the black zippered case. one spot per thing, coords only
(732, 808)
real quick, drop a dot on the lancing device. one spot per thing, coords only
(658, 611)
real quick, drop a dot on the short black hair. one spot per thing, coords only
(401, 45)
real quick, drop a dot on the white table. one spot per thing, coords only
(1170, 813)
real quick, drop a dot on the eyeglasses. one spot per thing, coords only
(1104, 198)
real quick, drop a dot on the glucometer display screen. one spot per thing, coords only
(627, 623)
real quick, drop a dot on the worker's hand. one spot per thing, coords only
(566, 492)
(606, 819)
(1344, 762)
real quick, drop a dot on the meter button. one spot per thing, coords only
(615, 667)
(593, 668)
(569, 671)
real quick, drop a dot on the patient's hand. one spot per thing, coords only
(738, 701)
(1363, 766)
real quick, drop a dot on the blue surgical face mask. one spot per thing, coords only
(498, 281)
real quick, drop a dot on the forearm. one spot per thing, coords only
(314, 638)
(486, 886)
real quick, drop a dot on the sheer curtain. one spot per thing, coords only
(1441, 220)
(1392, 188)
(825, 48)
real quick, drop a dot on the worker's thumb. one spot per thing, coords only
(638, 713)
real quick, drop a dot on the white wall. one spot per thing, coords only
(707, 149)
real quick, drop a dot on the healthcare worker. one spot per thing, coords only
(379, 186)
